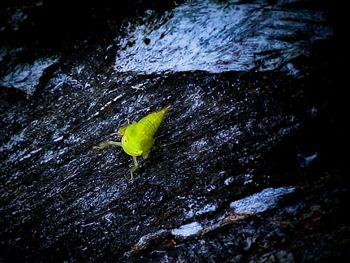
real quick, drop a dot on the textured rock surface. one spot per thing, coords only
(217, 37)
(247, 167)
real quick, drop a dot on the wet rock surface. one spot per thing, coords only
(247, 166)
(219, 37)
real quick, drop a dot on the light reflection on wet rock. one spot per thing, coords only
(221, 36)
(240, 169)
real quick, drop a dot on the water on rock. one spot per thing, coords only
(247, 166)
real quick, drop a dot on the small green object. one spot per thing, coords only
(137, 137)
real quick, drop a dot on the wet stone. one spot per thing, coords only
(246, 167)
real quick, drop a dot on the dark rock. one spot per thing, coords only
(247, 166)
